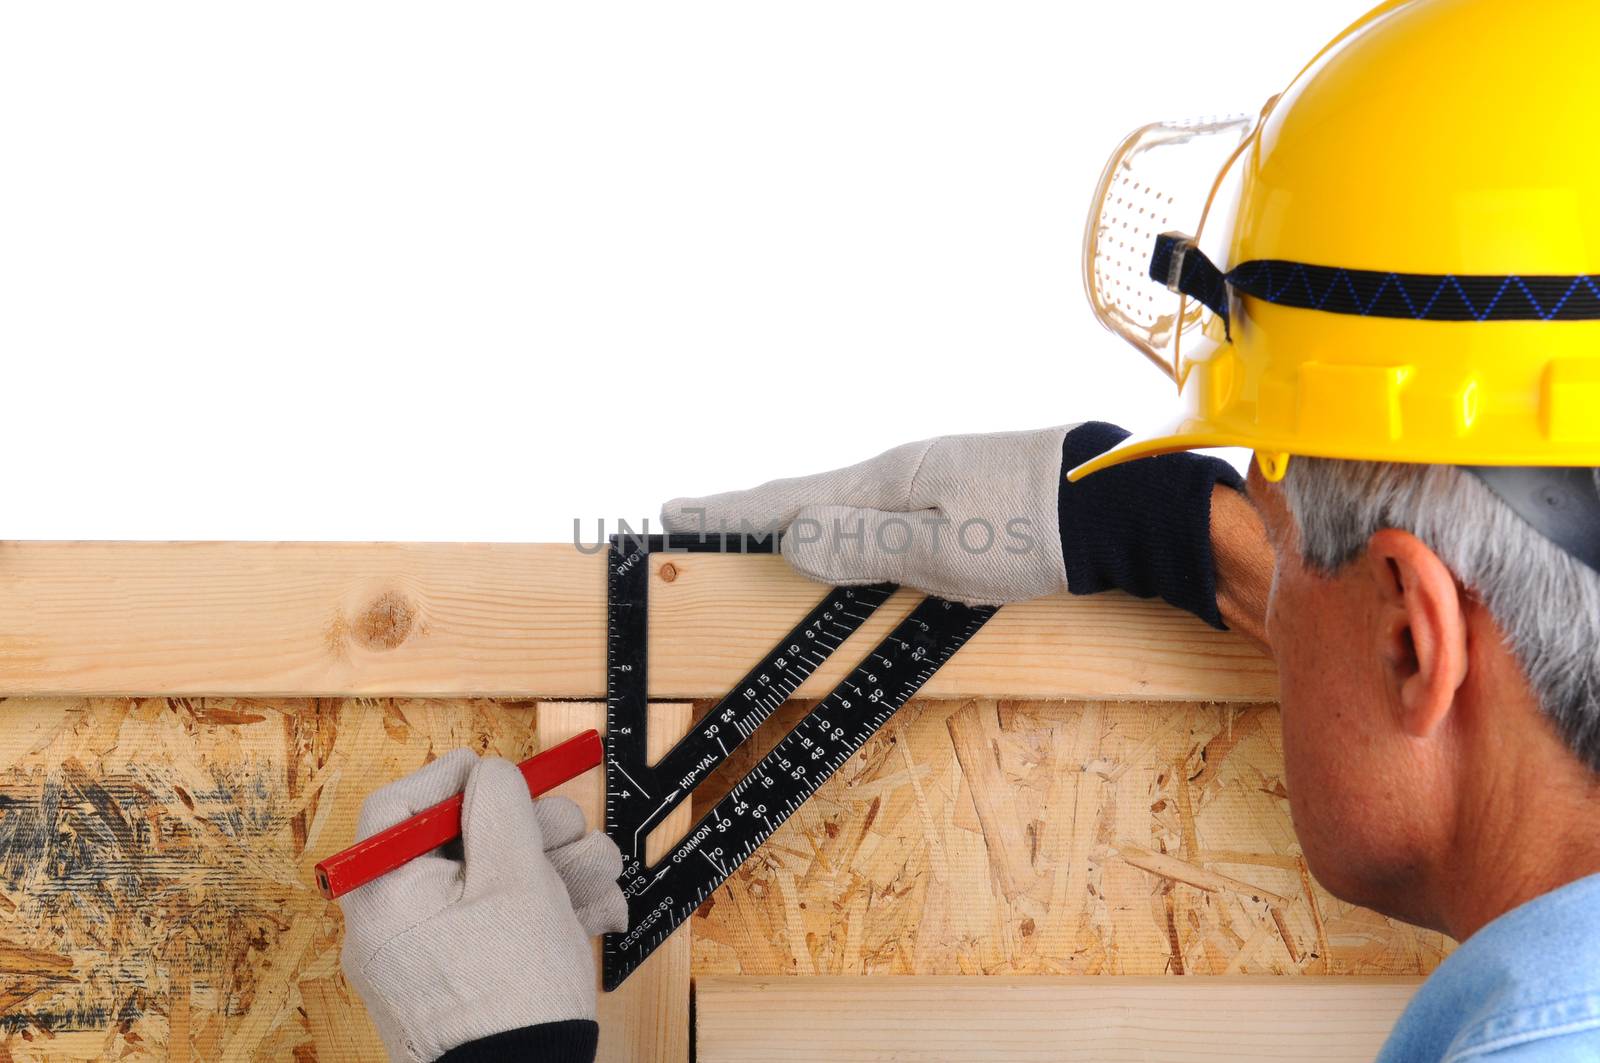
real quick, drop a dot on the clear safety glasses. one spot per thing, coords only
(1165, 177)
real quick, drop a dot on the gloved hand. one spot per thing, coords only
(991, 519)
(447, 952)
(971, 518)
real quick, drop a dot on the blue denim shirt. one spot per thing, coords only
(1525, 987)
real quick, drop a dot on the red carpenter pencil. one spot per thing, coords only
(433, 827)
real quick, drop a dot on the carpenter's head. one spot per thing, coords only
(1438, 659)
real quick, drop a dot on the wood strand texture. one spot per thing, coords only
(1005, 838)
(156, 895)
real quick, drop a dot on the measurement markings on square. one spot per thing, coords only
(639, 795)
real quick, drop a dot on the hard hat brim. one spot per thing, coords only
(1169, 442)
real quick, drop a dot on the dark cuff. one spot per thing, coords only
(568, 1041)
(1143, 527)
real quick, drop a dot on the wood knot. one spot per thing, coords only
(385, 623)
(669, 572)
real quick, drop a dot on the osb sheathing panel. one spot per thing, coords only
(155, 861)
(156, 898)
(1003, 838)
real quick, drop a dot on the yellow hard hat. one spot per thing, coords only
(1400, 259)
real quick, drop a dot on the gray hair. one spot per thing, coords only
(1546, 602)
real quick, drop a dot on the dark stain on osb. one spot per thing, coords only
(126, 865)
(52, 1020)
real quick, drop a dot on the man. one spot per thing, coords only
(1409, 339)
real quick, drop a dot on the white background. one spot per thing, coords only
(468, 271)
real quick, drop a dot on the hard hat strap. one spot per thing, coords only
(1183, 267)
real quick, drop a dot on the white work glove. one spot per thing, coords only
(971, 518)
(446, 951)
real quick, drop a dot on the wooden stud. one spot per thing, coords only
(482, 619)
(1044, 1019)
(646, 1019)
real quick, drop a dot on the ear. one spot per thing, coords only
(1422, 628)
